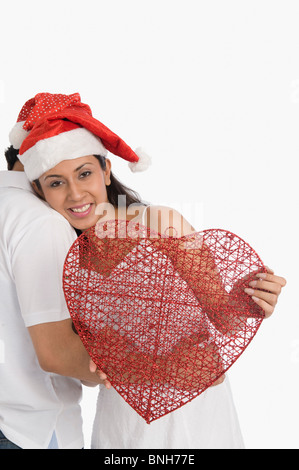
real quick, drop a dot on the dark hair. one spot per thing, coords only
(11, 155)
(115, 189)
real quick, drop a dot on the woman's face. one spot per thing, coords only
(74, 188)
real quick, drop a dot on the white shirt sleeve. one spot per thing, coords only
(37, 265)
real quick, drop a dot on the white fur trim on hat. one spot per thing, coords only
(143, 163)
(17, 135)
(47, 153)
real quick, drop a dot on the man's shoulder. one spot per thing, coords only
(23, 208)
(21, 202)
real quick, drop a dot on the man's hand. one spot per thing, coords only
(102, 376)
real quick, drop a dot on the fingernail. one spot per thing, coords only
(249, 291)
(253, 283)
(262, 275)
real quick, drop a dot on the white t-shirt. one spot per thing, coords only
(34, 241)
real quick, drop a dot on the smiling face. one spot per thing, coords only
(74, 188)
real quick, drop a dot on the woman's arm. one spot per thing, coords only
(205, 280)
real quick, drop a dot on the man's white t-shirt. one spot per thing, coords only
(34, 241)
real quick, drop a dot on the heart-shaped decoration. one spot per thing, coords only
(163, 317)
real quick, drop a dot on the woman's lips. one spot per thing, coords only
(80, 211)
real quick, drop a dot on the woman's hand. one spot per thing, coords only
(265, 290)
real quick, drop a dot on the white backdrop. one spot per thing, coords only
(211, 90)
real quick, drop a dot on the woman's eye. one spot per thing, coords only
(55, 184)
(84, 174)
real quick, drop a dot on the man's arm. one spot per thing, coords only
(60, 350)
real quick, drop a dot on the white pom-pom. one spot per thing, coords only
(17, 135)
(143, 163)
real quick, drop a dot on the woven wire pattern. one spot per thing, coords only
(163, 317)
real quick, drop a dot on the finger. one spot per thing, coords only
(92, 366)
(94, 369)
(272, 287)
(272, 278)
(107, 384)
(101, 374)
(271, 299)
(269, 270)
(268, 309)
(218, 381)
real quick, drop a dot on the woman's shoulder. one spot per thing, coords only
(166, 220)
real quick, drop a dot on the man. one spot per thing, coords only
(44, 360)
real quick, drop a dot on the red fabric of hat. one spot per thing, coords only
(35, 108)
(55, 127)
(55, 124)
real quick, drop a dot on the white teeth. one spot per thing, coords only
(82, 209)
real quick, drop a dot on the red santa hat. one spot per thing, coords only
(54, 127)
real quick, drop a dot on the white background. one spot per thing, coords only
(211, 90)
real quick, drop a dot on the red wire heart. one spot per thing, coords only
(163, 317)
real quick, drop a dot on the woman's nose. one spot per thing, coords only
(75, 192)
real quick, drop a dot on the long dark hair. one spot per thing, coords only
(116, 188)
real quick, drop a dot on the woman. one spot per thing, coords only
(64, 155)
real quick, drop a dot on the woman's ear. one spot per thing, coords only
(38, 190)
(107, 172)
